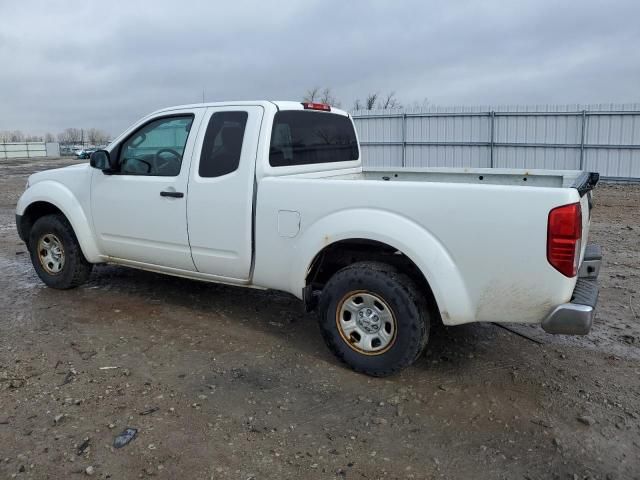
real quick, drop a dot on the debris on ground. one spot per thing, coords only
(83, 446)
(586, 420)
(150, 411)
(125, 437)
(67, 377)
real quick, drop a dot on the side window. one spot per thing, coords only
(222, 144)
(157, 148)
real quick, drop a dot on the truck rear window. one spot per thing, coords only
(303, 138)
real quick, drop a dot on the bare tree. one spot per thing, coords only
(328, 98)
(389, 102)
(357, 104)
(48, 137)
(70, 135)
(321, 95)
(370, 101)
(96, 136)
(16, 136)
(312, 95)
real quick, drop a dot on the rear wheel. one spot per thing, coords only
(56, 254)
(374, 318)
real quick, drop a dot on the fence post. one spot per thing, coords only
(492, 116)
(404, 139)
(582, 136)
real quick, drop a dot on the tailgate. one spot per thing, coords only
(585, 183)
(586, 206)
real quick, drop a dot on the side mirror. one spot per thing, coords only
(101, 160)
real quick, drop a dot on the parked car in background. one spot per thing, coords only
(66, 150)
(272, 195)
(84, 153)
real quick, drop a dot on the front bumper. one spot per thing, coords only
(576, 317)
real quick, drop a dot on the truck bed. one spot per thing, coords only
(480, 235)
(489, 176)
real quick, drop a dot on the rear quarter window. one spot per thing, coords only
(222, 144)
(304, 138)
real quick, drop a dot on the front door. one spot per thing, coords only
(220, 203)
(140, 212)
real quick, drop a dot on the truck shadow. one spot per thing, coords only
(184, 303)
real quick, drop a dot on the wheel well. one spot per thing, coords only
(33, 212)
(341, 254)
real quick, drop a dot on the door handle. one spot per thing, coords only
(171, 194)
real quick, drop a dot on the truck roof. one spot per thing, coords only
(280, 105)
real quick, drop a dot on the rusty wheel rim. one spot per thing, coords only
(51, 253)
(366, 322)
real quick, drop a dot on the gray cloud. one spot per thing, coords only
(105, 64)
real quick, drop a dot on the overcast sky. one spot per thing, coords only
(105, 64)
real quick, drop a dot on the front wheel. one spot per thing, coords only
(374, 318)
(56, 254)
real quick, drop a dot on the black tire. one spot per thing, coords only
(408, 307)
(76, 269)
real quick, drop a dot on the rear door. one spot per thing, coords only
(221, 189)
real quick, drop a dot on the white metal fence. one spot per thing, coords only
(600, 138)
(29, 150)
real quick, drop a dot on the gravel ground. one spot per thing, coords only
(222, 382)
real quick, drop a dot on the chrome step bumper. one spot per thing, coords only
(576, 317)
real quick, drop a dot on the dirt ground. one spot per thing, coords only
(224, 382)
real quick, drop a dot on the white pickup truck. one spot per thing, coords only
(273, 195)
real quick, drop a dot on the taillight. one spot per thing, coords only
(564, 234)
(316, 106)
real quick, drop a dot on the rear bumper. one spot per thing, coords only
(590, 267)
(576, 317)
